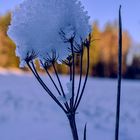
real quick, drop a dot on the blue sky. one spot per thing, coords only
(103, 11)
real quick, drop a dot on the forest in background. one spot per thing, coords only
(103, 51)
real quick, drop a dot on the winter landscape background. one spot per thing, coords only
(28, 113)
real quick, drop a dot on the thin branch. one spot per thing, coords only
(52, 80)
(58, 79)
(119, 77)
(77, 104)
(72, 122)
(80, 80)
(73, 73)
(32, 68)
(66, 104)
(85, 132)
(70, 67)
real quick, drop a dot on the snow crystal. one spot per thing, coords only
(68, 95)
(64, 99)
(69, 87)
(36, 25)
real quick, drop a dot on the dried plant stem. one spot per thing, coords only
(58, 79)
(32, 68)
(119, 78)
(73, 73)
(68, 106)
(85, 81)
(85, 132)
(70, 69)
(52, 81)
(72, 122)
(80, 80)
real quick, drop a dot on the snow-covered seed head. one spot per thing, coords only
(68, 61)
(50, 59)
(45, 25)
(30, 56)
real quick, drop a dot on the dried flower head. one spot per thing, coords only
(45, 25)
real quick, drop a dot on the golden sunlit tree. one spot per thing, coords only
(108, 50)
(7, 47)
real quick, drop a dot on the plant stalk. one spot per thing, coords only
(72, 122)
(119, 78)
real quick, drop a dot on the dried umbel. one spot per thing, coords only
(45, 25)
(54, 31)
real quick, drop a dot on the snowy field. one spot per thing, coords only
(28, 113)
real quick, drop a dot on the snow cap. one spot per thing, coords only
(36, 27)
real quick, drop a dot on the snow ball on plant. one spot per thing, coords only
(36, 26)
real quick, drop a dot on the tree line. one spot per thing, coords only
(103, 51)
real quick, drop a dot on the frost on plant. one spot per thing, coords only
(54, 31)
(37, 24)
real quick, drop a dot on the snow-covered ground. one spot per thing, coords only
(28, 113)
